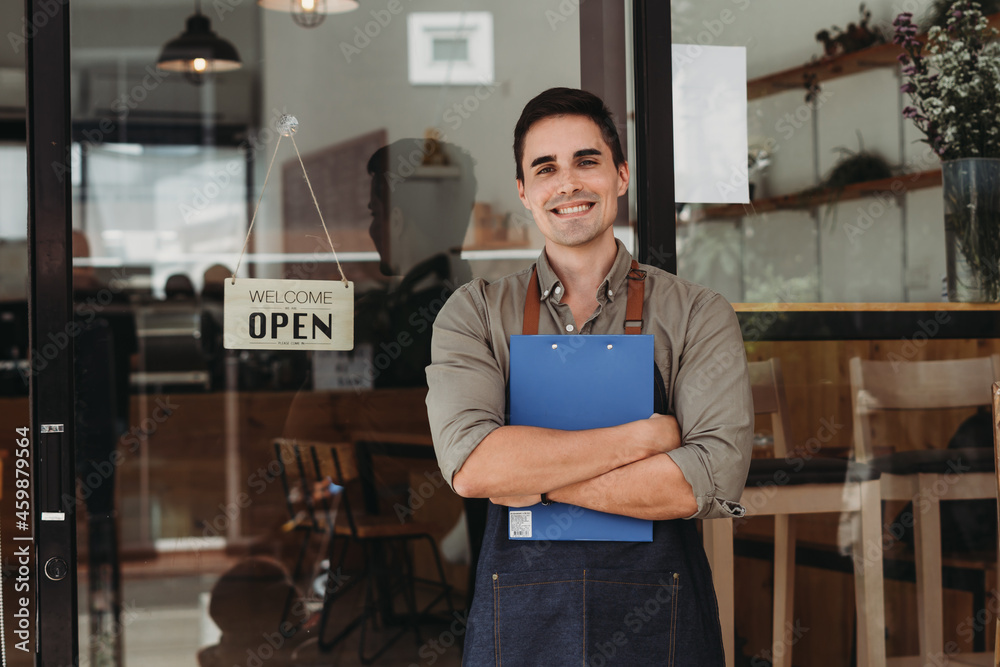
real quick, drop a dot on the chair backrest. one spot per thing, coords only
(768, 386)
(306, 463)
(996, 450)
(915, 385)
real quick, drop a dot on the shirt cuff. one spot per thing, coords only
(691, 460)
(452, 460)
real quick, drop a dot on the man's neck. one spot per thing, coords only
(582, 269)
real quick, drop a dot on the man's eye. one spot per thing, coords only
(544, 170)
(587, 163)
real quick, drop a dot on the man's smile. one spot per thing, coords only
(574, 209)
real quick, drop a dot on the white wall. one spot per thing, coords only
(337, 97)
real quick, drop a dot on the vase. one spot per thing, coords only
(972, 228)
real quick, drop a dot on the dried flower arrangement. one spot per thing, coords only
(940, 11)
(955, 86)
(953, 82)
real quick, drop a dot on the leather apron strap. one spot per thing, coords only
(633, 307)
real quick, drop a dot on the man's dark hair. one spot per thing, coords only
(567, 102)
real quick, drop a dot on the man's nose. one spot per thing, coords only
(569, 183)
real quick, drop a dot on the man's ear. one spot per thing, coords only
(397, 222)
(623, 174)
(520, 193)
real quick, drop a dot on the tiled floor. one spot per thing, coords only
(165, 624)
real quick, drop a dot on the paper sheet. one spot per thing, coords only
(710, 124)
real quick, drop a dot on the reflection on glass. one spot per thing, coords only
(191, 526)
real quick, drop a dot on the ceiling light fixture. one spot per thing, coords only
(309, 13)
(198, 51)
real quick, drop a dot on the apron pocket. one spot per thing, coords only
(635, 618)
(538, 617)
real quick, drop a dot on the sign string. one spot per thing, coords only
(290, 127)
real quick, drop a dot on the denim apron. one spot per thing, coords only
(594, 604)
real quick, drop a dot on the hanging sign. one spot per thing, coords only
(288, 315)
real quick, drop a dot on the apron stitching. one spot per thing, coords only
(673, 619)
(543, 583)
(573, 581)
(616, 583)
(584, 618)
(496, 620)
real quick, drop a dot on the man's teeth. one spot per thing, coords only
(573, 209)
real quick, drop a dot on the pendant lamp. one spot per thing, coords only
(198, 51)
(309, 13)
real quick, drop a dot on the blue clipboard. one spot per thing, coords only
(574, 383)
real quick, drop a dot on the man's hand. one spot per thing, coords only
(658, 435)
(517, 501)
(495, 468)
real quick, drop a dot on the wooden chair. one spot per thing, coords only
(377, 536)
(917, 476)
(996, 466)
(791, 484)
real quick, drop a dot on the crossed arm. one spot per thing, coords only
(619, 470)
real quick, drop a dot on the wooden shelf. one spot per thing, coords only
(880, 55)
(893, 186)
(919, 307)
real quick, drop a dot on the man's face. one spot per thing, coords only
(379, 228)
(571, 184)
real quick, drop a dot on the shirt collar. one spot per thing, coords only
(614, 281)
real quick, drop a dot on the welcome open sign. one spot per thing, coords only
(288, 315)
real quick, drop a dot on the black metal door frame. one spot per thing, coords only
(50, 308)
(654, 134)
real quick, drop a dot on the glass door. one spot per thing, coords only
(205, 532)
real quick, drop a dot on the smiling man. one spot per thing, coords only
(599, 603)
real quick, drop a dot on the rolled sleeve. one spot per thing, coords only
(713, 404)
(466, 386)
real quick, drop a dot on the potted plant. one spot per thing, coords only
(953, 81)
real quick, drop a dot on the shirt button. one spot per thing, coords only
(558, 289)
(569, 327)
(545, 293)
(610, 293)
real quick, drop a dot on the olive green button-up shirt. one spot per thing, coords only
(698, 349)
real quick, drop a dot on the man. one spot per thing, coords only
(599, 603)
(418, 225)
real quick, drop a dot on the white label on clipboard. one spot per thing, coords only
(520, 523)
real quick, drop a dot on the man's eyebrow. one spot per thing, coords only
(583, 152)
(542, 160)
